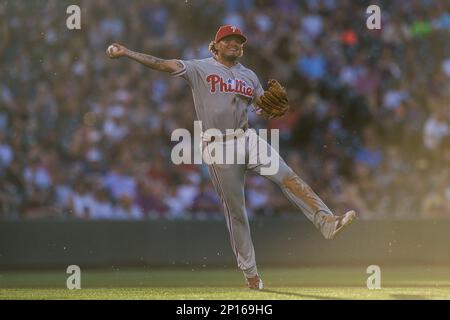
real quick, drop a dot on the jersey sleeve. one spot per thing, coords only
(189, 71)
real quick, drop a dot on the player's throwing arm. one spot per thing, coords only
(116, 51)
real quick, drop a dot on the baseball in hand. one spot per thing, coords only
(112, 49)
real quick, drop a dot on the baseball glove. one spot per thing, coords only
(274, 102)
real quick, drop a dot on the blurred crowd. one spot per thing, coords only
(82, 136)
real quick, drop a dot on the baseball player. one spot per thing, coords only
(223, 89)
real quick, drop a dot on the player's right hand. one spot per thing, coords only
(115, 51)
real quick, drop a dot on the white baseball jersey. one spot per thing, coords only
(221, 94)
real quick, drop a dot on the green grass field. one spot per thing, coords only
(281, 284)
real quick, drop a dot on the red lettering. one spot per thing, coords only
(213, 79)
(238, 86)
(223, 86)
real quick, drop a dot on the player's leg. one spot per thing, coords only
(298, 191)
(228, 181)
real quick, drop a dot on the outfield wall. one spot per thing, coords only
(284, 242)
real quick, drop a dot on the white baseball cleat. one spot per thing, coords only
(255, 283)
(335, 224)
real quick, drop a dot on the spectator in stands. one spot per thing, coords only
(205, 204)
(126, 209)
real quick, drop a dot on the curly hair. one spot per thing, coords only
(212, 48)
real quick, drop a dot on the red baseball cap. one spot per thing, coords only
(229, 30)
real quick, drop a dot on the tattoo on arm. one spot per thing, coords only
(150, 61)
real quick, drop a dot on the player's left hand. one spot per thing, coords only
(274, 102)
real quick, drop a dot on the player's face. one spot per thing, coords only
(230, 47)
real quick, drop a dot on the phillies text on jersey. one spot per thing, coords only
(230, 85)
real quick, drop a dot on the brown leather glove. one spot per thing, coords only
(274, 102)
